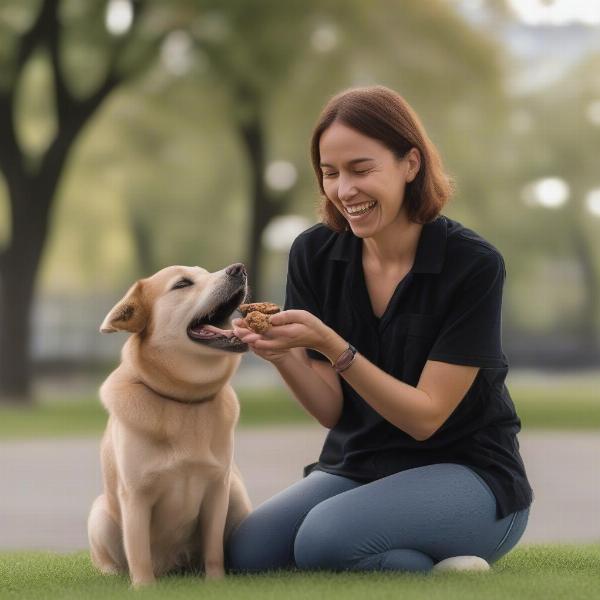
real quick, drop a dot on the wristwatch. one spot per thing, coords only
(345, 359)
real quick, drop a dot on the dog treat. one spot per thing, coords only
(257, 321)
(256, 315)
(266, 308)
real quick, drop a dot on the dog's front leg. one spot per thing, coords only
(213, 517)
(135, 511)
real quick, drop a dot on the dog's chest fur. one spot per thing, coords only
(170, 452)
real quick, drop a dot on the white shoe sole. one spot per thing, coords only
(462, 563)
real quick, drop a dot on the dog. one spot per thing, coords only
(172, 492)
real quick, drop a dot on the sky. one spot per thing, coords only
(544, 37)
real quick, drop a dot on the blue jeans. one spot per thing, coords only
(405, 522)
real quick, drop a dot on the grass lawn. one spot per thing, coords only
(551, 405)
(528, 572)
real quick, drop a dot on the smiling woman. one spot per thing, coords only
(398, 130)
(390, 338)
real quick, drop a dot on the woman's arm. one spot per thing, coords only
(418, 411)
(317, 392)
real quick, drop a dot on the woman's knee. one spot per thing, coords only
(265, 539)
(320, 542)
(258, 543)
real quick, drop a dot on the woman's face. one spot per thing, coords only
(364, 179)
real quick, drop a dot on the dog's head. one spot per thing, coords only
(183, 305)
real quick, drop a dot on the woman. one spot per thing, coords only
(390, 338)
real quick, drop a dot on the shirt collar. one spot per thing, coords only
(431, 249)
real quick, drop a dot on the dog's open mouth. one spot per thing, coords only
(210, 330)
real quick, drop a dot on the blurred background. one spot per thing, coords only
(140, 134)
(135, 135)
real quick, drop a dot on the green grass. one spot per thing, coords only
(558, 407)
(568, 572)
(571, 405)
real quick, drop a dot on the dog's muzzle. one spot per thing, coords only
(210, 329)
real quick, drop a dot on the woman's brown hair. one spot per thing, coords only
(384, 115)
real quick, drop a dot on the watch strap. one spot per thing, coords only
(345, 359)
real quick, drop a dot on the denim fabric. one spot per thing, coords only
(405, 522)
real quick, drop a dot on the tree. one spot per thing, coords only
(268, 48)
(32, 181)
(257, 49)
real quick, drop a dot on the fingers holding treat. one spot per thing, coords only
(279, 331)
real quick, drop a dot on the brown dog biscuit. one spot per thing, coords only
(257, 321)
(266, 308)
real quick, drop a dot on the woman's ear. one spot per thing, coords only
(413, 158)
(129, 314)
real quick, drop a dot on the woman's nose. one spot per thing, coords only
(346, 189)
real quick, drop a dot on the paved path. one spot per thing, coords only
(47, 487)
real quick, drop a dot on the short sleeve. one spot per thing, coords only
(299, 293)
(471, 333)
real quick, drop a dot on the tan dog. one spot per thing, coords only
(171, 489)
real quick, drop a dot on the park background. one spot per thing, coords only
(140, 134)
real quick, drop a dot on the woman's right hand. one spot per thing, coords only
(242, 333)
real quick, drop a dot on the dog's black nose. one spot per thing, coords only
(236, 270)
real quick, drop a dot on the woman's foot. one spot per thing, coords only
(462, 563)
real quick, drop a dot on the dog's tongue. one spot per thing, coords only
(210, 331)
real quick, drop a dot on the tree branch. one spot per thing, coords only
(64, 100)
(11, 155)
(112, 77)
(74, 113)
(32, 38)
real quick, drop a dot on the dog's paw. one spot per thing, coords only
(110, 569)
(141, 583)
(214, 572)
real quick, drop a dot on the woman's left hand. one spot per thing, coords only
(290, 329)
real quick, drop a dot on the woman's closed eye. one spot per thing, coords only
(331, 174)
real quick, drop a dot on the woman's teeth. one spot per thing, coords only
(360, 209)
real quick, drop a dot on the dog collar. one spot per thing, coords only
(178, 400)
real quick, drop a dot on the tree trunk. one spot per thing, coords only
(16, 297)
(18, 269)
(253, 138)
(32, 193)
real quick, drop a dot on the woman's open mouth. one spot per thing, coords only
(210, 329)
(359, 210)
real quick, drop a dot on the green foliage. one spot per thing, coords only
(160, 177)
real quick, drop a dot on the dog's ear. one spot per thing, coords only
(129, 314)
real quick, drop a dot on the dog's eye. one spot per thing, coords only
(182, 283)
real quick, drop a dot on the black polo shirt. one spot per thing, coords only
(447, 308)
